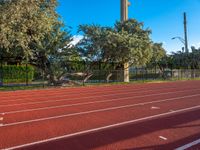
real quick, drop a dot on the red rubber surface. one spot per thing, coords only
(37, 115)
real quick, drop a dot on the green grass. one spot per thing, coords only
(32, 87)
(14, 88)
(141, 81)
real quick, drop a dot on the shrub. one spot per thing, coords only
(17, 74)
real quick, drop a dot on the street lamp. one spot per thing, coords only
(180, 39)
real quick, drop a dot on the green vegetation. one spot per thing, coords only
(14, 88)
(31, 32)
(183, 60)
(17, 74)
(125, 42)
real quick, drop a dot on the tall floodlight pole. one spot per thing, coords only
(124, 17)
(185, 33)
(185, 39)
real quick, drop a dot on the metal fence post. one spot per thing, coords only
(136, 75)
(1, 72)
(43, 78)
(26, 74)
(99, 72)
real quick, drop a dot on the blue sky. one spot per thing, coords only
(163, 17)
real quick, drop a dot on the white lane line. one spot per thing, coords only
(98, 90)
(163, 138)
(1, 118)
(88, 92)
(83, 97)
(110, 91)
(64, 100)
(101, 101)
(189, 145)
(69, 99)
(153, 107)
(64, 94)
(104, 128)
(93, 111)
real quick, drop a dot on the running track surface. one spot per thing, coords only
(130, 117)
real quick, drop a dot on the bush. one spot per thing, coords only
(17, 74)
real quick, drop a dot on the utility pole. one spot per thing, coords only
(185, 33)
(124, 17)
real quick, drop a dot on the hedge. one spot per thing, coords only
(16, 74)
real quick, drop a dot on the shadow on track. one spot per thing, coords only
(114, 135)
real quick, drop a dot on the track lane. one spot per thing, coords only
(35, 105)
(20, 95)
(62, 126)
(80, 96)
(47, 129)
(20, 116)
(41, 96)
(133, 136)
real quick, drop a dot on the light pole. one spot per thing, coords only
(124, 9)
(185, 32)
(181, 40)
(124, 17)
(185, 40)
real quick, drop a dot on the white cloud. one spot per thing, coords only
(76, 39)
(197, 45)
(164, 43)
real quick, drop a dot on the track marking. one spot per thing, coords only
(163, 138)
(94, 111)
(153, 107)
(64, 94)
(104, 128)
(112, 94)
(189, 145)
(95, 89)
(1, 118)
(86, 92)
(110, 91)
(94, 102)
(63, 100)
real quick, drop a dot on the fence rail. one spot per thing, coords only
(28, 76)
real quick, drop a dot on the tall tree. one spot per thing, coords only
(158, 55)
(25, 23)
(126, 42)
(32, 29)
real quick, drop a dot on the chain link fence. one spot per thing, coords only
(166, 74)
(80, 74)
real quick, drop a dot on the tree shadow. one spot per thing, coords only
(113, 135)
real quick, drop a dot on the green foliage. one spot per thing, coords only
(195, 58)
(190, 60)
(17, 74)
(24, 23)
(34, 31)
(158, 52)
(53, 54)
(126, 42)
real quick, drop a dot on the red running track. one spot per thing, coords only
(141, 116)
